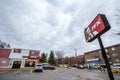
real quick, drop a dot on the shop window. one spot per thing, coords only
(29, 63)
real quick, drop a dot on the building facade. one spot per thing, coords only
(112, 52)
(4, 58)
(18, 58)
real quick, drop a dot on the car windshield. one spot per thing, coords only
(38, 65)
(59, 39)
(114, 66)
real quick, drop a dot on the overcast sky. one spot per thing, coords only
(56, 24)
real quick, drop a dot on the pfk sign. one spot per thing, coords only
(97, 27)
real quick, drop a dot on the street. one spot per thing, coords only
(58, 74)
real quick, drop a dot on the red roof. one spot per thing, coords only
(4, 53)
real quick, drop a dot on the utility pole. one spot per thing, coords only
(75, 52)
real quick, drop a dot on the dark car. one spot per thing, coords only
(38, 68)
(47, 66)
(74, 65)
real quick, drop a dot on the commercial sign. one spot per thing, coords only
(34, 54)
(97, 27)
(16, 50)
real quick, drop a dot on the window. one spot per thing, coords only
(113, 48)
(17, 50)
(94, 52)
(115, 54)
(99, 51)
(117, 60)
(96, 57)
(108, 55)
(106, 50)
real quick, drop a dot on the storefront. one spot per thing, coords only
(93, 63)
(20, 58)
(17, 63)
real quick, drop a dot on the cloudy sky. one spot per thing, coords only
(56, 24)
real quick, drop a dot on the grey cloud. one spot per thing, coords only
(38, 25)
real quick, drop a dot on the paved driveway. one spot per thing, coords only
(58, 74)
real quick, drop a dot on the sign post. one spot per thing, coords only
(96, 28)
(105, 59)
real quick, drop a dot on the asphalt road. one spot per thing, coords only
(58, 74)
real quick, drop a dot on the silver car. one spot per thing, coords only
(38, 68)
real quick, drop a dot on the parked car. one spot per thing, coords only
(38, 68)
(80, 67)
(74, 65)
(96, 67)
(47, 66)
(114, 68)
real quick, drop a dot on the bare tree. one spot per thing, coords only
(60, 55)
(117, 21)
(116, 33)
(4, 45)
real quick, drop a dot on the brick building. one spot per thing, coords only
(95, 57)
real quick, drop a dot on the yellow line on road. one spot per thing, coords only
(17, 72)
(99, 79)
(31, 71)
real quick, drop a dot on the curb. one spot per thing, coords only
(9, 69)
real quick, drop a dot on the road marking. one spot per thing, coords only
(31, 71)
(17, 72)
(99, 79)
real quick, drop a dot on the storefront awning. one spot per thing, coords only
(93, 60)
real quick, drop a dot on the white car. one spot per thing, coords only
(38, 68)
(115, 67)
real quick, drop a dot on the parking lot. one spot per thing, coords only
(58, 74)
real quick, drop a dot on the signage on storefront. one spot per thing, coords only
(34, 54)
(96, 28)
(16, 50)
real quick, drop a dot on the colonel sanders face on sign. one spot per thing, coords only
(34, 52)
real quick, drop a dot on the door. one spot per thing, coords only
(16, 64)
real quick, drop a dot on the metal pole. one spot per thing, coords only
(75, 52)
(106, 59)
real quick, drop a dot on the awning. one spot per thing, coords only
(93, 60)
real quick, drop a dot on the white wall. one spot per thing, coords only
(24, 52)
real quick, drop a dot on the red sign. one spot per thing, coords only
(98, 26)
(34, 54)
(17, 50)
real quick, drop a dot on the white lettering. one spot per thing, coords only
(96, 25)
(89, 33)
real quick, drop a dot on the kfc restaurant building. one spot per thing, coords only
(21, 58)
